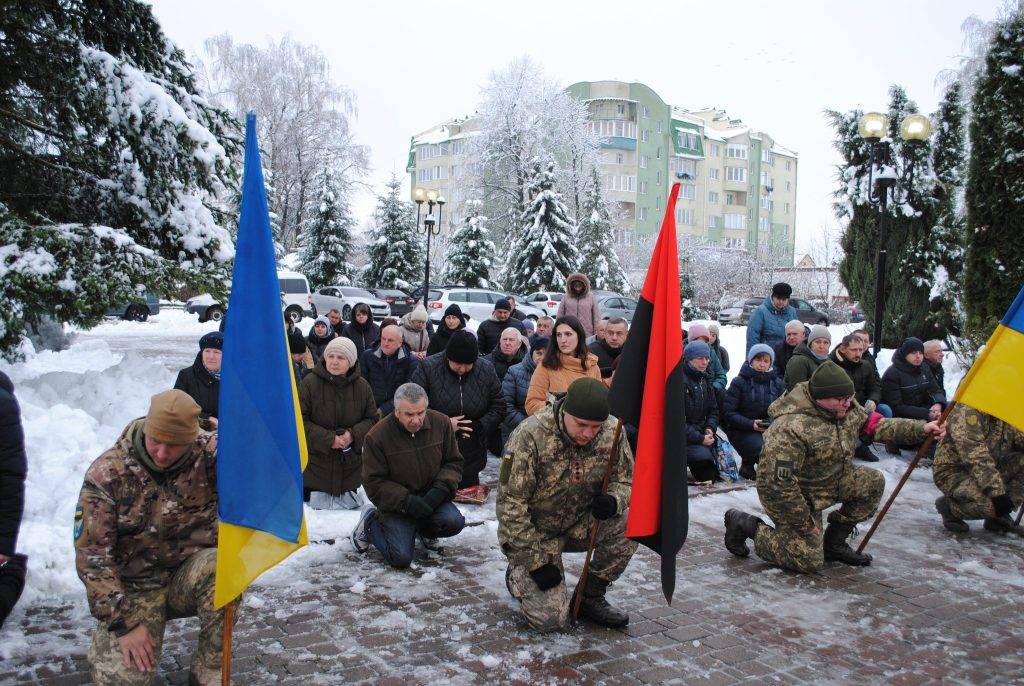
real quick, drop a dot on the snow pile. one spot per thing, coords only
(170, 321)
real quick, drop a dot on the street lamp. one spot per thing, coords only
(431, 227)
(886, 185)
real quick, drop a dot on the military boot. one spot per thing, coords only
(838, 550)
(957, 526)
(1003, 525)
(739, 526)
(595, 608)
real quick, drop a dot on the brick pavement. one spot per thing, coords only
(915, 617)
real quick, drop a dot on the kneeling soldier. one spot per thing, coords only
(146, 543)
(806, 467)
(550, 485)
(979, 467)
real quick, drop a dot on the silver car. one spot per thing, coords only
(478, 303)
(344, 298)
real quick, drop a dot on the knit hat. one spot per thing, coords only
(342, 345)
(213, 339)
(794, 325)
(761, 349)
(296, 343)
(819, 331)
(539, 343)
(698, 331)
(713, 328)
(173, 418)
(782, 290)
(529, 325)
(325, 321)
(695, 349)
(419, 314)
(910, 345)
(462, 347)
(587, 399)
(503, 304)
(453, 309)
(830, 381)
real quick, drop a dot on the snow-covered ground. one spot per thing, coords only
(76, 402)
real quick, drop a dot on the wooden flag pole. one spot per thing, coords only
(225, 657)
(1019, 515)
(906, 475)
(577, 595)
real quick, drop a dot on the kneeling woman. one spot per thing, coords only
(701, 412)
(746, 405)
(337, 410)
(566, 359)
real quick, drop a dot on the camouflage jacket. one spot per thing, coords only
(132, 533)
(986, 448)
(807, 450)
(548, 482)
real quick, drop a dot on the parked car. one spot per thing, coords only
(546, 301)
(529, 310)
(856, 313)
(808, 313)
(401, 302)
(478, 303)
(344, 298)
(137, 310)
(616, 305)
(295, 300)
(739, 312)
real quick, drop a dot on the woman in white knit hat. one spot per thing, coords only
(414, 331)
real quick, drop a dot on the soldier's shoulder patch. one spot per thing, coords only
(784, 469)
(972, 419)
(79, 516)
(506, 465)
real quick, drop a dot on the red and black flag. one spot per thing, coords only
(647, 392)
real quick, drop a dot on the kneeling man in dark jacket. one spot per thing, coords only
(411, 468)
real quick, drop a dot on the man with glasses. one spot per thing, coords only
(806, 467)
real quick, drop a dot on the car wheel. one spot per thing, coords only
(294, 313)
(312, 308)
(346, 312)
(137, 313)
(213, 314)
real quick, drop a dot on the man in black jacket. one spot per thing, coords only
(795, 335)
(609, 348)
(202, 379)
(933, 355)
(13, 467)
(489, 331)
(465, 387)
(387, 367)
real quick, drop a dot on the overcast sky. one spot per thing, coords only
(775, 65)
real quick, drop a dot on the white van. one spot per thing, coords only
(296, 299)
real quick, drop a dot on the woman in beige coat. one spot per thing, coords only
(566, 359)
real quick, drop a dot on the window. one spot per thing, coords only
(714, 174)
(684, 216)
(646, 112)
(659, 177)
(622, 108)
(441, 172)
(767, 157)
(657, 203)
(425, 174)
(459, 296)
(764, 224)
(686, 166)
(620, 182)
(659, 154)
(712, 221)
(480, 297)
(619, 158)
(612, 127)
(765, 179)
(714, 150)
(687, 191)
(642, 213)
(730, 199)
(789, 165)
(458, 146)
(659, 127)
(735, 221)
(735, 174)
(713, 197)
(787, 208)
(688, 140)
(735, 243)
(643, 161)
(623, 237)
(766, 202)
(643, 135)
(643, 188)
(737, 151)
(789, 186)
(442, 149)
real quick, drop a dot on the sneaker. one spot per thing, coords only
(360, 541)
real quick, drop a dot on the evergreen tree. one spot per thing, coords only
(687, 290)
(600, 262)
(395, 251)
(325, 258)
(470, 251)
(544, 253)
(99, 109)
(995, 180)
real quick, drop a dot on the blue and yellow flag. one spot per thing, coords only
(995, 382)
(261, 443)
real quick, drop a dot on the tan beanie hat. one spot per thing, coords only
(173, 418)
(345, 346)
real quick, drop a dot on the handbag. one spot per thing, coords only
(725, 459)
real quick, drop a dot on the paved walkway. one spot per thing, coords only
(945, 610)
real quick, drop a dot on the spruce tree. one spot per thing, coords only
(995, 180)
(325, 258)
(544, 253)
(470, 251)
(599, 261)
(114, 170)
(395, 250)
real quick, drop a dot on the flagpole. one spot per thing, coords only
(225, 657)
(577, 595)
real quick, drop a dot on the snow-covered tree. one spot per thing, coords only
(544, 252)
(325, 257)
(395, 251)
(599, 260)
(470, 251)
(116, 171)
(995, 179)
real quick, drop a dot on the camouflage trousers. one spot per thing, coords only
(966, 498)
(859, 490)
(189, 594)
(549, 610)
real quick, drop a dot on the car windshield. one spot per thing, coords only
(557, 297)
(293, 285)
(356, 292)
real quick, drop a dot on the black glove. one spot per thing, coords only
(435, 496)
(604, 506)
(546, 576)
(416, 507)
(1003, 505)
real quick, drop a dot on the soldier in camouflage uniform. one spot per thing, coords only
(979, 467)
(806, 467)
(550, 485)
(145, 543)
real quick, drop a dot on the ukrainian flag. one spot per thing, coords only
(995, 382)
(261, 443)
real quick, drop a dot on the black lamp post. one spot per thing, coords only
(886, 185)
(431, 227)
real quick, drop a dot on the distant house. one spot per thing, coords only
(811, 282)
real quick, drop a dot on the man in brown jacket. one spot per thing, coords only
(411, 468)
(146, 543)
